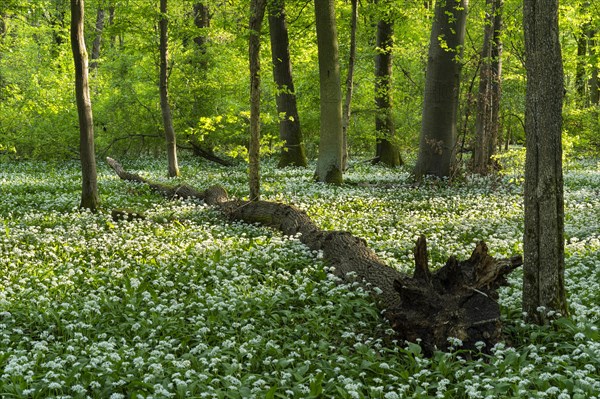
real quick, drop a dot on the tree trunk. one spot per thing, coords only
(164, 93)
(2, 35)
(459, 300)
(496, 96)
(386, 151)
(98, 39)
(292, 153)
(488, 106)
(89, 187)
(580, 81)
(594, 83)
(257, 13)
(440, 105)
(347, 110)
(111, 21)
(201, 21)
(543, 241)
(329, 164)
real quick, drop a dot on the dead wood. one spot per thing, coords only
(459, 300)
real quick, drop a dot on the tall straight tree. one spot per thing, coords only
(488, 101)
(440, 105)
(164, 92)
(329, 164)
(292, 152)
(89, 187)
(257, 13)
(347, 110)
(386, 151)
(543, 241)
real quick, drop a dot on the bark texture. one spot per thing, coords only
(173, 168)
(386, 151)
(257, 12)
(329, 164)
(89, 187)
(292, 153)
(440, 105)
(543, 241)
(459, 300)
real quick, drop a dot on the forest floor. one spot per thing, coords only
(187, 304)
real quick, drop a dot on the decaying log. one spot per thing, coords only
(459, 300)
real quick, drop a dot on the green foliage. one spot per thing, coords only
(37, 110)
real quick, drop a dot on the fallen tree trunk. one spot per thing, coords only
(457, 301)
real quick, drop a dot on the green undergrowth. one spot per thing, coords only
(186, 304)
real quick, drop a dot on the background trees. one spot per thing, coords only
(208, 75)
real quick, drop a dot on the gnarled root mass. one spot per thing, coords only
(459, 300)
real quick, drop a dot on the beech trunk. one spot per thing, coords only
(437, 145)
(100, 17)
(292, 153)
(488, 101)
(543, 241)
(386, 151)
(347, 108)
(173, 166)
(89, 188)
(257, 12)
(329, 164)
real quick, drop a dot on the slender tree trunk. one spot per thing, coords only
(347, 110)
(111, 21)
(202, 21)
(386, 151)
(2, 26)
(488, 105)
(100, 16)
(89, 187)
(257, 12)
(164, 93)
(543, 241)
(594, 82)
(580, 81)
(2, 35)
(292, 153)
(440, 105)
(496, 96)
(329, 164)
